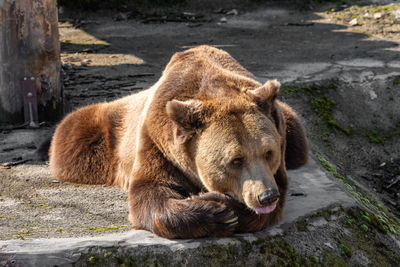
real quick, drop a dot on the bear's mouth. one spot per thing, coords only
(262, 210)
(267, 209)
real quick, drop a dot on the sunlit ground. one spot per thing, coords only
(74, 36)
(71, 35)
(379, 22)
(99, 59)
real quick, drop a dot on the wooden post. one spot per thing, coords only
(30, 86)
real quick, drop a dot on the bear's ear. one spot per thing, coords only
(265, 95)
(187, 117)
(296, 153)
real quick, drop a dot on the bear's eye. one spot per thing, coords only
(237, 163)
(268, 155)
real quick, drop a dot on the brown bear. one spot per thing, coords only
(203, 152)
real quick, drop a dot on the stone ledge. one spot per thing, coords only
(310, 191)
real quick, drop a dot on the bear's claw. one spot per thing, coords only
(222, 219)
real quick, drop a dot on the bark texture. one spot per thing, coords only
(30, 49)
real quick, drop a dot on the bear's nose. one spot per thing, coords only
(268, 197)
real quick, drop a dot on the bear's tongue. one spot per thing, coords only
(266, 210)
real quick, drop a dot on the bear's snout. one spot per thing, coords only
(268, 197)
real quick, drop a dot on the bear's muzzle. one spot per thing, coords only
(268, 199)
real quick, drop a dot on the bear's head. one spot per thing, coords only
(235, 145)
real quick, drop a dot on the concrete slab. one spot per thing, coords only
(310, 191)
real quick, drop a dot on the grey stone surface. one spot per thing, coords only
(310, 191)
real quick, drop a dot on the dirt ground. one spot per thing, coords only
(110, 54)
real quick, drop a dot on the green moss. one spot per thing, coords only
(364, 228)
(314, 259)
(24, 233)
(301, 226)
(107, 254)
(346, 250)
(335, 125)
(326, 214)
(291, 90)
(322, 104)
(382, 219)
(349, 221)
(106, 228)
(329, 167)
(284, 254)
(375, 137)
(380, 223)
(47, 207)
(19, 236)
(366, 218)
(265, 251)
(248, 248)
(331, 259)
(217, 253)
(123, 261)
(362, 237)
(91, 260)
(388, 8)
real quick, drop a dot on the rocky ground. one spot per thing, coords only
(339, 64)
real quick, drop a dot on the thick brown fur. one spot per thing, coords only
(195, 151)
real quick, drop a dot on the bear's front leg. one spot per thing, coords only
(165, 212)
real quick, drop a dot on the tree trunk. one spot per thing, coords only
(30, 86)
